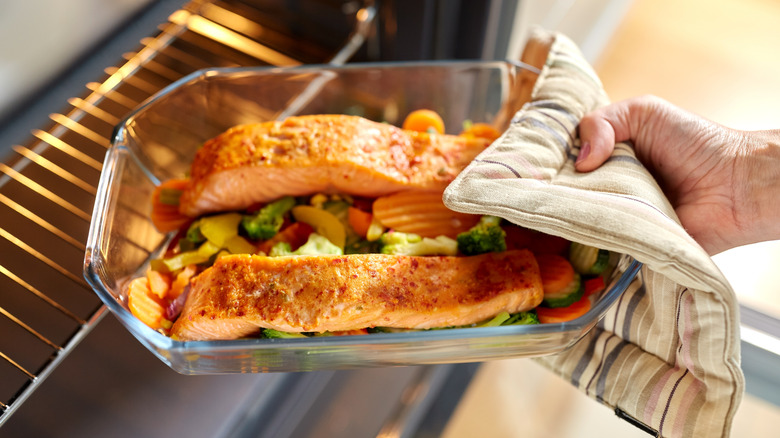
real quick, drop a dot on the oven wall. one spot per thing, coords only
(40, 39)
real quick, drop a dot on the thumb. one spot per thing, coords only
(597, 141)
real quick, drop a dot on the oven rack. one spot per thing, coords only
(48, 184)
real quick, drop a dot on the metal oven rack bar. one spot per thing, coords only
(48, 184)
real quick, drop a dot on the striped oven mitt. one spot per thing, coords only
(666, 356)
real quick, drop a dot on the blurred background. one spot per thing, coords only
(717, 58)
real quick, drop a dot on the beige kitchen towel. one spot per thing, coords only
(667, 354)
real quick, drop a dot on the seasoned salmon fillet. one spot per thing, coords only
(241, 293)
(304, 155)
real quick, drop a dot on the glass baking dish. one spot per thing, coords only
(158, 140)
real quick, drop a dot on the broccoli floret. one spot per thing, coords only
(317, 244)
(522, 318)
(486, 236)
(398, 238)
(268, 220)
(276, 334)
(193, 233)
(496, 321)
(398, 243)
(280, 249)
(504, 318)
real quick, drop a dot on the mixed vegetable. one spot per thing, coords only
(406, 223)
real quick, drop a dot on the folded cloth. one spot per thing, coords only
(666, 356)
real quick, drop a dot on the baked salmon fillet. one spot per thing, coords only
(257, 163)
(240, 294)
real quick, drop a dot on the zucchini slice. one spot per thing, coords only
(588, 260)
(566, 296)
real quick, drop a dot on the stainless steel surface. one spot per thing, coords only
(47, 185)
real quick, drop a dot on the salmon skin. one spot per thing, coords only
(240, 294)
(258, 163)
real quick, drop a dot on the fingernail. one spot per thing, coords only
(584, 151)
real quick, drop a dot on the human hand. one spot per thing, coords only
(723, 183)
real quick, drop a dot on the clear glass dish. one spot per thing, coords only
(158, 140)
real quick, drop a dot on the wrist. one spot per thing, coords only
(759, 175)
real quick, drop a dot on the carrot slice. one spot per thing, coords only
(143, 304)
(165, 206)
(549, 315)
(594, 285)
(556, 272)
(182, 280)
(421, 212)
(359, 220)
(159, 283)
(481, 130)
(422, 120)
